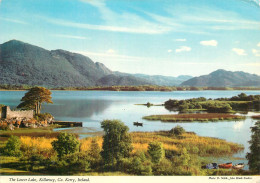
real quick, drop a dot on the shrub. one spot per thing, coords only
(66, 144)
(12, 147)
(164, 167)
(70, 163)
(94, 154)
(156, 151)
(178, 130)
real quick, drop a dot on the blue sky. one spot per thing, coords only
(170, 37)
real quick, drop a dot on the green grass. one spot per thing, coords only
(35, 132)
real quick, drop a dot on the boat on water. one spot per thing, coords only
(212, 166)
(225, 165)
(138, 124)
(238, 166)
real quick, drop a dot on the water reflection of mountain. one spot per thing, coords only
(77, 108)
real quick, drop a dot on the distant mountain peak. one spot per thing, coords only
(223, 78)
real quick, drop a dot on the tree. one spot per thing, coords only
(156, 151)
(254, 157)
(178, 130)
(12, 147)
(66, 144)
(34, 98)
(116, 141)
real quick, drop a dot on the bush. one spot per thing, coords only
(66, 144)
(135, 165)
(94, 154)
(156, 151)
(71, 163)
(12, 147)
(178, 130)
(164, 167)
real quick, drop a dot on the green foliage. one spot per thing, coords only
(69, 164)
(137, 165)
(156, 151)
(12, 147)
(178, 130)
(254, 155)
(44, 116)
(34, 98)
(164, 167)
(66, 144)
(149, 104)
(218, 107)
(94, 154)
(184, 158)
(116, 141)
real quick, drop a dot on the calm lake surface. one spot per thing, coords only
(92, 107)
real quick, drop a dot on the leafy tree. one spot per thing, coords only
(66, 144)
(12, 147)
(156, 151)
(178, 130)
(254, 155)
(116, 141)
(34, 98)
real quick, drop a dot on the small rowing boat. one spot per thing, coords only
(138, 124)
(225, 165)
(238, 166)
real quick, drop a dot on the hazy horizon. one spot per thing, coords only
(153, 37)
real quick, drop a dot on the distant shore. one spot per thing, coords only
(130, 88)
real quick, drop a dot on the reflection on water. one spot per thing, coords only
(78, 108)
(238, 125)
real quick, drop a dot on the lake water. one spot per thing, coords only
(92, 107)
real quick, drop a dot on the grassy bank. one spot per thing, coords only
(204, 117)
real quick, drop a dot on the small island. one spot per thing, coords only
(201, 117)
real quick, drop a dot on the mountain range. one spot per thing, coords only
(223, 78)
(23, 63)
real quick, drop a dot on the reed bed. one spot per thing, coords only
(41, 144)
(203, 146)
(194, 117)
(86, 143)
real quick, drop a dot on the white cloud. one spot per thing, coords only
(169, 51)
(258, 44)
(209, 43)
(13, 20)
(137, 30)
(239, 51)
(124, 22)
(183, 48)
(69, 36)
(256, 52)
(180, 40)
(114, 57)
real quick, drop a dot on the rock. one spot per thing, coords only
(11, 127)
